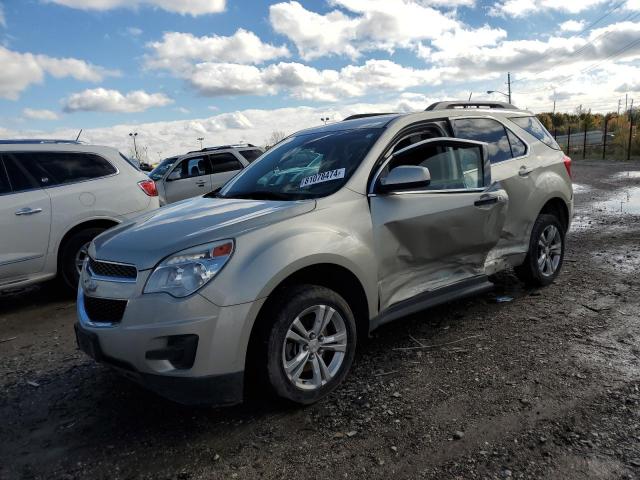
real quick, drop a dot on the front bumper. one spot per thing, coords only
(136, 344)
(218, 390)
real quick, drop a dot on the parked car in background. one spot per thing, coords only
(332, 233)
(201, 171)
(55, 197)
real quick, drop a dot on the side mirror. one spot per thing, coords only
(175, 175)
(405, 177)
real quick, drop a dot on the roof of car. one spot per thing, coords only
(37, 141)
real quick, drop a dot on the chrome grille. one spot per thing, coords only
(115, 270)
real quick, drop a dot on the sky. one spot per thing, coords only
(235, 71)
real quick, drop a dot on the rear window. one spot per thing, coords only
(4, 181)
(225, 162)
(19, 179)
(250, 155)
(59, 168)
(533, 126)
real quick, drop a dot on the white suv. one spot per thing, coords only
(202, 171)
(55, 197)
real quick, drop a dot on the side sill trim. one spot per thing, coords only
(465, 288)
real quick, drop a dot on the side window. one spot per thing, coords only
(250, 155)
(4, 180)
(533, 126)
(430, 132)
(518, 148)
(450, 167)
(225, 162)
(59, 168)
(485, 130)
(194, 167)
(19, 177)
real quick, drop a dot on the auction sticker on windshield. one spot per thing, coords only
(322, 177)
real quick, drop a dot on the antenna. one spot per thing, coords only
(79, 133)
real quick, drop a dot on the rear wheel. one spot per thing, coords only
(546, 252)
(73, 253)
(309, 347)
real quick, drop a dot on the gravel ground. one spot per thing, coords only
(545, 385)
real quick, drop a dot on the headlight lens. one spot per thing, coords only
(183, 273)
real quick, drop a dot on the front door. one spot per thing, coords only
(189, 178)
(436, 235)
(25, 221)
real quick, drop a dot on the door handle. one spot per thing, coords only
(488, 200)
(524, 171)
(200, 184)
(28, 211)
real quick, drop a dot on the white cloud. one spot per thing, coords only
(572, 26)
(520, 8)
(373, 25)
(103, 100)
(308, 83)
(20, 70)
(184, 7)
(35, 114)
(177, 49)
(134, 31)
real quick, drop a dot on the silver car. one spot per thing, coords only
(329, 235)
(200, 172)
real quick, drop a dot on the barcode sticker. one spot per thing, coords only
(322, 177)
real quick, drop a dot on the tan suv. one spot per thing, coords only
(333, 232)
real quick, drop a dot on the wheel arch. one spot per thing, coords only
(105, 223)
(558, 207)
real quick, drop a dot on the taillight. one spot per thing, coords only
(149, 187)
(567, 164)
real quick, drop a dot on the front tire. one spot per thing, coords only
(546, 252)
(309, 345)
(73, 253)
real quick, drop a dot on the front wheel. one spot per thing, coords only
(546, 252)
(72, 255)
(311, 343)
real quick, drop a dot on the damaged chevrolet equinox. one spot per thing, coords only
(274, 279)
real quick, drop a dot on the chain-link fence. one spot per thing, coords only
(586, 136)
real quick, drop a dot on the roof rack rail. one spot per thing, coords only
(464, 104)
(223, 147)
(365, 115)
(37, 141)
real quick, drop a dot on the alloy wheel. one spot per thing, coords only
(549, 250)
(314, 347)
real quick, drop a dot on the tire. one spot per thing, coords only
(531, 272)
(307, 380)
(67, 269)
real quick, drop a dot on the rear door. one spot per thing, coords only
(225, 166)
(25, 222)
(189, 178)
(435, 236)
(514, 168)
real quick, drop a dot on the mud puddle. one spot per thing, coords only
(624, 201)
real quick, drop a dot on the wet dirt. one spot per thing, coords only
(518, 383)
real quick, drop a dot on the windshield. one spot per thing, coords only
(304, 166)
(158, 172)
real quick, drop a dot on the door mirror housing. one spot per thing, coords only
(175, 175)
(405, 177)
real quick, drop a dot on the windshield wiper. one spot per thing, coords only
(259, 195)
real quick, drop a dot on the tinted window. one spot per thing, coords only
(193, 167)
(225, 162)
(486, 130)
(518, 148)
(158, 172)
(58, 168)
(533, 126)
(450, 167)
(4, 181)
(19, 177)
(250, 155)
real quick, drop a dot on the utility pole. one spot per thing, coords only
(626, 101)
(135, 146)
(509, 85)
(200, 139)
(554, 102)
(619, 104)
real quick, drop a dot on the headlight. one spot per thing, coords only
(183, 273)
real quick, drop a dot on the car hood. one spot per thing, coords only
(151, 237)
